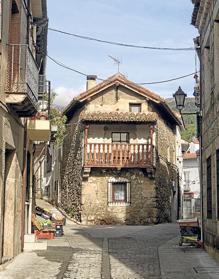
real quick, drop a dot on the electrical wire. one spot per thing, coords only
(66, 67)
(167, 80)
(120, 43)
(101, 79)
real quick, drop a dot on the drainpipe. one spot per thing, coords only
(201, 166)
(24, 178)
(29, 230)
(199, 126)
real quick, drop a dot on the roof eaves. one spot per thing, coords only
(170, 111)
(123, 81)
(195, 11)
(70, 106)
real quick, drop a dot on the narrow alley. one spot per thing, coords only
(96, 252)
(109, 139)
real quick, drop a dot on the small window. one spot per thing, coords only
(135, 107)
(120, 137)
(118, 192)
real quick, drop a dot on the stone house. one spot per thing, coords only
(119, 157)
(205, 18)
(23, 43)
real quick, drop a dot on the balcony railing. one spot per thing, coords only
(118, 155)
(22, 73)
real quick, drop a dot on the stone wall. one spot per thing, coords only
(166, 175)
(71, 173)
(207, 23)
(11, 158)
(12, 195)
(166, 180)
(95, 206)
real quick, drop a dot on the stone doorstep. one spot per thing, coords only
(29, 238)
(39, 245)
(32, 244)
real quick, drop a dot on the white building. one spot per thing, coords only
(191, 182)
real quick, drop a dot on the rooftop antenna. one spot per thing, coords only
(116, 61)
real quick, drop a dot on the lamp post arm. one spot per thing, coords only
(181, 114)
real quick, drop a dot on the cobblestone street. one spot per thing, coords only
(115, 252)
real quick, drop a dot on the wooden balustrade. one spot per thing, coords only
(118, 155)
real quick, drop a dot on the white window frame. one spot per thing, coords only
(110, 193)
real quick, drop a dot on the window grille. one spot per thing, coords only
(118, 191)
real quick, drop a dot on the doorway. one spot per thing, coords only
(9, 155)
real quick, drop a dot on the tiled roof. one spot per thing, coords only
(118, 117)
(188, 155)
(195, 140)
(120, 80)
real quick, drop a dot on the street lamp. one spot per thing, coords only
(180, 96)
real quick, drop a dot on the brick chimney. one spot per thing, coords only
(91, 81)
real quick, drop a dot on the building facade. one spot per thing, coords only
(119, 157)
(206, 19)
(47, 172)
(191, 182)
(23, 44)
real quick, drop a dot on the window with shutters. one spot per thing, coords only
(209, 189)
(118, 191)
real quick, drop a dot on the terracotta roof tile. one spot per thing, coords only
(188, 155)
(196, 141)
(122, 80)
(119, 79)
(118, 117)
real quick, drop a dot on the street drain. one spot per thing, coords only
(208, 269)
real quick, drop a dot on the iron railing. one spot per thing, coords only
(22, 72)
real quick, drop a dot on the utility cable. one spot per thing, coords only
(120, 43)
(167, 80)
(101, 79)
(64, 66)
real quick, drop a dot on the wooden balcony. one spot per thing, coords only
(118, 155)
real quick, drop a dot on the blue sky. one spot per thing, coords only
(164, 23)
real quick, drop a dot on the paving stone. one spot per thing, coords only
(114, 252)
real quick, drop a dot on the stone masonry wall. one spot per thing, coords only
(95, 208)
(71, 176)
(166, 175)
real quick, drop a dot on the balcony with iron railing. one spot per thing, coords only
(22, 82)
(119, 155)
